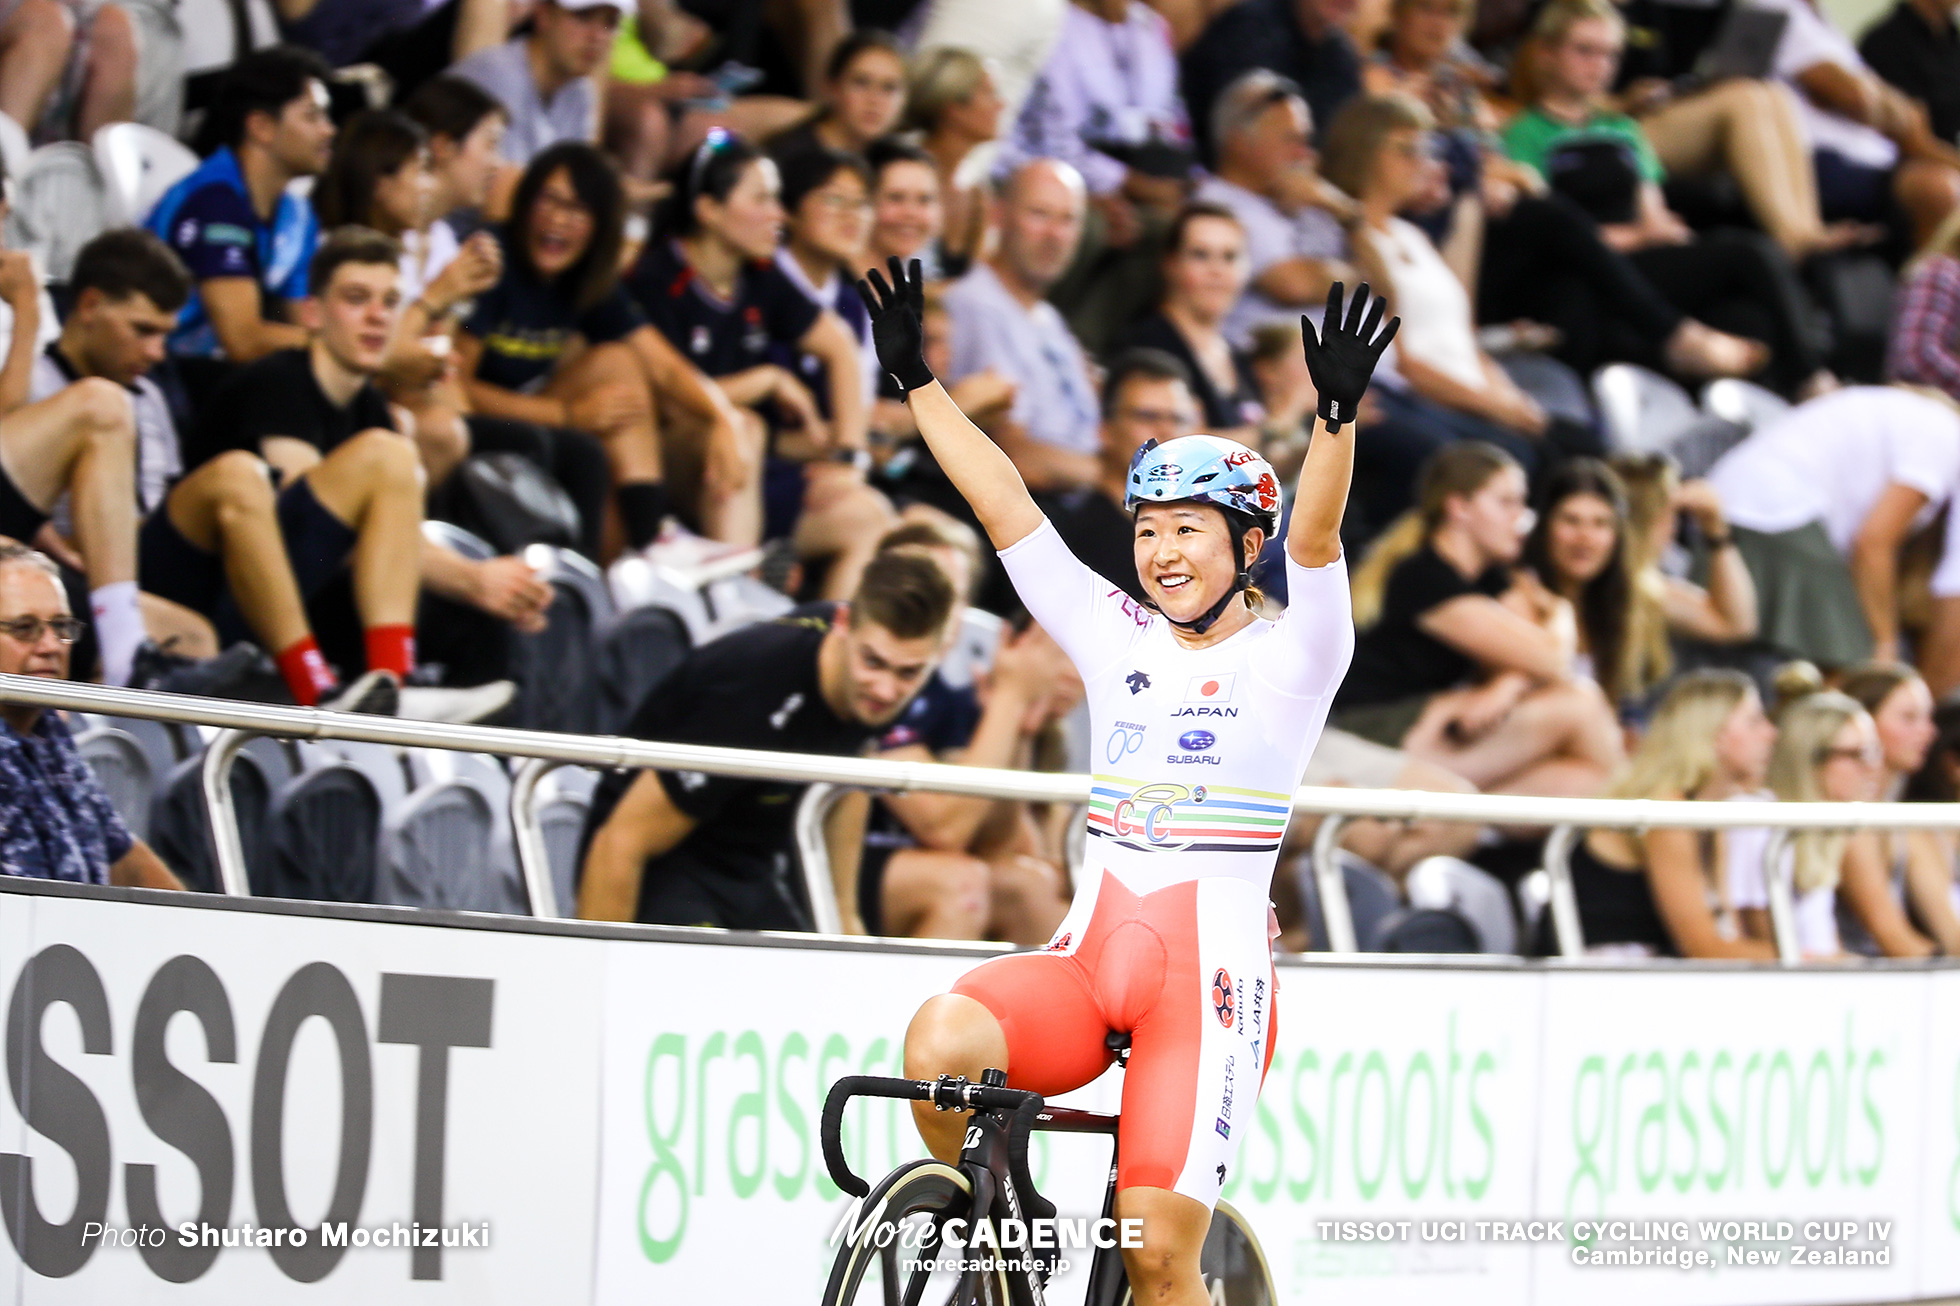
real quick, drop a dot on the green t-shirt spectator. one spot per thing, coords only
(1534, 134)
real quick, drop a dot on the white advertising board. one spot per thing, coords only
(628, 1120)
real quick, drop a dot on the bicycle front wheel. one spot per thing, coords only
(1234, 1263)
(894, 1257)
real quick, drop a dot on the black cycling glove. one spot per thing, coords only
(1343, 356)
(898, 331)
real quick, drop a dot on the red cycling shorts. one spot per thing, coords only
(1187, 971)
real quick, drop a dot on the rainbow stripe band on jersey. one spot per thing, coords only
(1163, 816)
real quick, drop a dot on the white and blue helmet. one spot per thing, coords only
(1208, 469)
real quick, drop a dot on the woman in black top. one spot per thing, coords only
(1205, 271)
(557, 342)
(1656, 892)
(712, 288)
(863, 98)
(1462, 662)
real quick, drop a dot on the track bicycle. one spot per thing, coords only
(899, 1251)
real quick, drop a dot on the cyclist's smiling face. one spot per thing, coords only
(1184, 556)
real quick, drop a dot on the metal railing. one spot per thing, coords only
(242, 721)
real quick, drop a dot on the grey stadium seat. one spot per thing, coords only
(436, 852)
(641, 649)
(557, 689)
(1371, 896)
(323, 833)
(561, 818)
(123, 770)
(1451, 884)
(180, 830)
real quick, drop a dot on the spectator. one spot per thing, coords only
(1827, 750)
(466, 126)
(955, 106)
(1109, 90)
(1654, 893)
(907, 217)
(79, 444)
(1872, 146)
(1013, 41)
(379, 178)
(558, 342)
(1292, 219)
(827, 196)
(1932, 887)
(1001, 321)
(1146, 396)
(1581, 549)
(1304, 41)
(690, 848)
(56, 823)
(351, 498)
(1712, 615)
(1925, 345)
(863, 98)
(246, 239)
(1872, 914)
(1916, 48)
(1602, 159)
(713, 291)
(66, 71)
(1741, 126)
(544, 79)
(1204, 274)
(1822, 500)
(948, 867)
(1377, 151)
(1461, 663)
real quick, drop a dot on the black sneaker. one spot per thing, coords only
(376, 693)
(224, 676)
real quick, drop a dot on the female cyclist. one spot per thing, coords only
(1205, 715)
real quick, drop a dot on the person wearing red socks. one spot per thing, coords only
(349, 496)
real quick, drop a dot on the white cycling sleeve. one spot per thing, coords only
(1093, 620)
(1315, 639)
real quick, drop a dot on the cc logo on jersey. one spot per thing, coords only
(1150, 812)
(1121, 744)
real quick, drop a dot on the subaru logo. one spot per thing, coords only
(1196, 741)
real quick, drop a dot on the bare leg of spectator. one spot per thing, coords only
(1750, 130)
(373, 483)
(934, 895)
(1569, 724)
(1030, 897)
(176, 629)
(608, 387)
(813, 28)
(228, 507)
(1395, 846)
(722, 487)
(1927, 190)
(442, 438)
(109, 86)
(842, 520)
(1939, 649)
(83, 440)
(34, 48)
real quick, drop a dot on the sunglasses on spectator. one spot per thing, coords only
(27, 630)
(1867, 756)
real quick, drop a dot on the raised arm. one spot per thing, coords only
(1341, 359)
(972, 462)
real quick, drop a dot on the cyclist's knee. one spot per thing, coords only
(954, 1035)
(1168, 1237)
